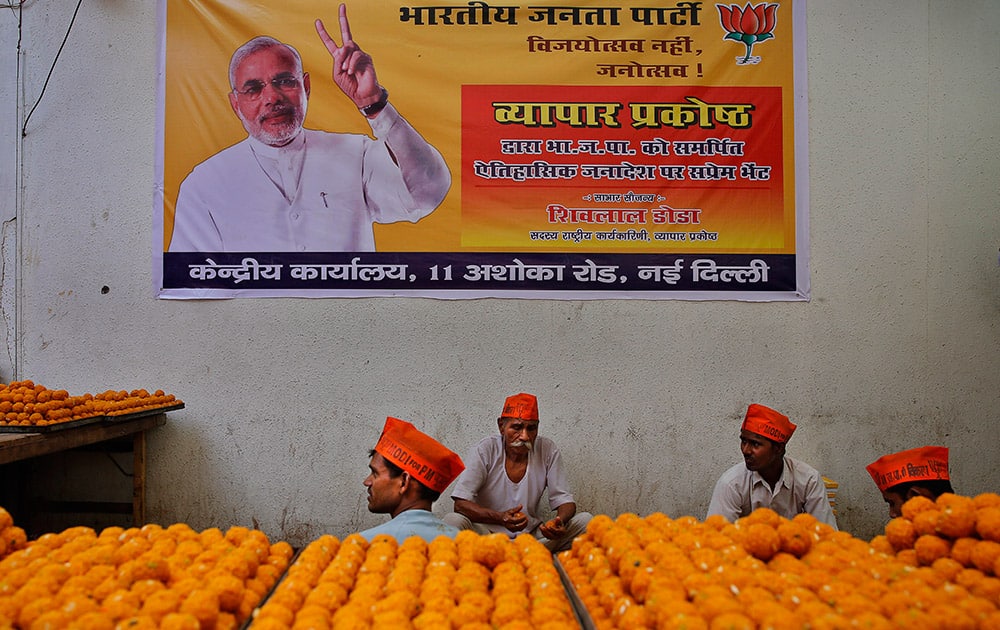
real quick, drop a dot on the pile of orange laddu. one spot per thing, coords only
(936, 566)
(26, 403)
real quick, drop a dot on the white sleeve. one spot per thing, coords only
(726, 499)
(405, 177)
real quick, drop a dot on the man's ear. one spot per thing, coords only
(500, 424)
(919, 491)
(305, 83)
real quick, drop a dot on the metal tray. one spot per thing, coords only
(295, 556)
(72, 424)
(143, 413)
(582, 614)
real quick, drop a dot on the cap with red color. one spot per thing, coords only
(927, 463)
(418, 454)
(765, 421)
(521, 406)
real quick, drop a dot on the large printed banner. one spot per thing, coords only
(575, 149)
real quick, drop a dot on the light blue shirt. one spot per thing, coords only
(412, 523)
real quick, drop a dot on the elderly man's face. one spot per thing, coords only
(518, 435)
(270, 95)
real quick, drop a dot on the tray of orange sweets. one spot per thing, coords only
(29, 407)
(936, 566)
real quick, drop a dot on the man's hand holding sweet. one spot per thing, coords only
(514, 519)
(553, 529)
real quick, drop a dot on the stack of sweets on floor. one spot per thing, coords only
(935, 567)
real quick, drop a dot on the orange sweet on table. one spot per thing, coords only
(179, 621)
(23, 403)
(900, 533)
(795, 538)
(988, 523)
(957, 518)
(916, 505)
(762, 540)
(961, 550)
(985, 555)
(204, 606)
(926, 522)
(930, 548)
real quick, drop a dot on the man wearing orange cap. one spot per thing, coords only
(409, 470)
(768, 477)
(508, 472)
(917, 472)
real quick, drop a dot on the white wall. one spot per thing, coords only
(899, 347)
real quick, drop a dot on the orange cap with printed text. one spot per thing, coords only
(420, 455)
(927, 463)
(771, 424)
(521, 406)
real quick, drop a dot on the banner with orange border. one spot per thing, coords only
(592, 150)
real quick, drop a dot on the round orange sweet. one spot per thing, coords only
(179, 621)
(139, 622)
(92, 621)
(931, 548)
(872, 621)
(985, 555)
(988, 523)
(204, 605)
(161, 603)
(969, 577)
(926, 522)
(33, 609)
(16, 538)
(461, 615)
(682, 621)
(795, 538)
(951, 617)
(901, 533)
(762, 540)
(986, 499)
(947, 567)
(733, 621)
(958, 516)
(276, 611)
(917, 504)
(987, 588)
(961, 551)
(633, 617)
(908, 556)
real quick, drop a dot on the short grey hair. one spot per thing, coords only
(261, 42)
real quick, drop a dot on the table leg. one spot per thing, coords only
(139, 479)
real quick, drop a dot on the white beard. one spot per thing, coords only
(282, 136)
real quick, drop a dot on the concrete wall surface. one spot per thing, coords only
(898, 347)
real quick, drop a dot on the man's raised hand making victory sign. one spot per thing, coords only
(353, 70)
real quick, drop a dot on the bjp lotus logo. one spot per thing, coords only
(748, 25)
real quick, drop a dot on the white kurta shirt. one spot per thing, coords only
(799, 490)
(321, 192)
(485, 482)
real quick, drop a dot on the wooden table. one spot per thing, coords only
(16, 447)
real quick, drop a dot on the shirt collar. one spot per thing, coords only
(784, 480)
(265, 150)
